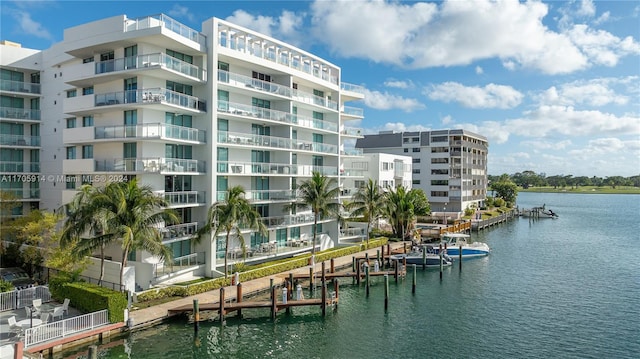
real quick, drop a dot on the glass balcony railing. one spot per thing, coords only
(352, 152)
(345, 86)
(151, 130)
(306, 97)
(273, 168)
(19, 86)
(263, 195)
(168, 23)
(19, 167)
(352, 131)
(274, 115)
(150, 60)
(22, 193)
(274, 142)
(151, 95)
(249, 82)
(150, 165)
(353, 111)
(183, 197)
(180, 263)
(19, 140)
(184, 230)
(20, 113)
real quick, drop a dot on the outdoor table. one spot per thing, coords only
(29, 323)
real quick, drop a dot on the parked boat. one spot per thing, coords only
(453, 241)
(417, 253)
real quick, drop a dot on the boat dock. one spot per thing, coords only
(478, 225)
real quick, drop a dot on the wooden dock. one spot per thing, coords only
(486, 223)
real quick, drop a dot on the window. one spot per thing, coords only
(180, 88)
(439, 171)
(439, 139)
(71, 122)
(415, 182)
(439, 182)
(258, 102)
(70, 182)
(223, 66)
(87, 121)
(180, 56)
(318, 115)
(72, 93)
(406, 150)
(416, 171)
(87, 60)
(87, 91)
(295, 86)
(295, 233)
(223, 100)
(223, 157)
(405, 140)
(71, 153)
(318, 93)
(87, 151)
(417, 149)
(261, 76)
(415, 160)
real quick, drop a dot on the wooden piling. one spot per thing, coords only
(239, 298)
(378, 256)
(274, 307)
(270, 284)
(323, 273)
(358, 274)
(336, 289)
(386, 292)
(196, 315)
(323, 303)
(366, 274)
(353, 264)
(290, 287)
(221, 309)
(332, 267)
(440, 253)
(424, 258)
(397, 264)
(311, 283)
(93, 352)
(460, 257)
(413, 286)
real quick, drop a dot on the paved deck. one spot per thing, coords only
(148, 316)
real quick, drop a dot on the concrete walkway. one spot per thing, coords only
(152, 315)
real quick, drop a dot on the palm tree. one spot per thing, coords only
(320, 193)
(368, 202)
(399, 210)
(127, 212)
(231, 216)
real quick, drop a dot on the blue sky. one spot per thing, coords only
(554, 86)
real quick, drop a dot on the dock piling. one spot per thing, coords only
(332, 268)
(221, 305)
(460, 257)
(196, 315)
(413, 286)
(239, 298)
(366, 273)
(274, 307)
(386, 292)
(424, 258)
(440, 252)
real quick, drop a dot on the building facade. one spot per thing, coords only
(193, 113)
(449, 165)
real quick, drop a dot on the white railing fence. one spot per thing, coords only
(17, 299)
(64, 328)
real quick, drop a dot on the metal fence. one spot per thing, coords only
(65, 328)
(21, 298)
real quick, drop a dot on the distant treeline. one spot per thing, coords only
(528, 179)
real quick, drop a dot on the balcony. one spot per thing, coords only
(151, 96)
(168, 23)
(19, 167)
(354, 112)
(23, 194)
(19, 114)
(19, 140)
(151, 131)
(247, 82)
(312, 99)
(352, 172)
(352, 152)
(244, 139)
(150, 61)
(252, 168)
(150, 165)
(26, 88)
(263, 195)
(183, 198)
(243, 110)
(178, 232)
(352, 132)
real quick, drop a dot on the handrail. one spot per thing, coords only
(19, 86)
(162, 130)
(65, 327)
(20, 113)
(274, 142)
(150, 60)
(233, 167)
(162, 20)
(150, 95)
(19, 140)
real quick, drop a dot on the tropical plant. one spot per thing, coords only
(127, 212)
(399, 211)
(320, 193)
(231, 216)
(367, 202)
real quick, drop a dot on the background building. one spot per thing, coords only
(191, 113)
(449, 165)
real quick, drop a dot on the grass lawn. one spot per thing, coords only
(585, 189)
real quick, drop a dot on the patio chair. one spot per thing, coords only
(13, 325)
(37, 305)
(31, 311)
(58, 312)
(65, 305)
(45, 317)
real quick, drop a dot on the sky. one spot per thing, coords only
(554, 86)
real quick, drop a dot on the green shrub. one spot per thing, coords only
(6, 286)
(89, 298)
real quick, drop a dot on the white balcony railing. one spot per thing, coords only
(312, 99)
(352, 111)
(168, 23)
(19, 86)
(151, 130)
(239, 168)
(149, 96)
(150, 60)
(256, 84)
(275, 142)
(19, 140)
(64, 328)
(183, 197)
(184, 230)
(20, 113)
(150, 165)
(19, 167)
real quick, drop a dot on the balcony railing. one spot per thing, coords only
(345, 86)
(23, 193)
(19, 140)
(273, 115)
(183, 197)
(151, 130)
(150, 95)
(256, 84)
(19, 86)
(273, 168)
(352, 152)
(179, 263)
(350, 172)
(168, 23)
(184, 230)
(148, 60)
(352, 111)
(150, 165)
(352, 131)
(20, 113)
(65, 327)
(306, 97)
(19, 167)
(263, 195)
(275, 142)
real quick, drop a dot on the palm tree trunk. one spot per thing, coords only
(315, 229)
(368, 226)
(125, 254)
(226, 254)
(101, 264)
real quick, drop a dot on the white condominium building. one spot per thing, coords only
(449, 165)
(191, 113)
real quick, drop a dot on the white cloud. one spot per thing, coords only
(387, 101)
(451, 33)
(183, 12)
(30, 26)
(285, 27)
(547, 145)
(587, 8)
(489, 96)
(606, 16)
(401, 127)
(595, 92)
(399, 84)
(479, 70)
(446, 120)
(262, 24)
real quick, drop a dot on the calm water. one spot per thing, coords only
(554, 288)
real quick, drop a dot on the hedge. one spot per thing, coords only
(88, 297)
(295, 263)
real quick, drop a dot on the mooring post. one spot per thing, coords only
(386, 292)
(239, 298)
(93, 352)
(366, 274)
(424, 258)
(460, 257)
(404, 264)
(311, 284)
(366, 257)
(397, 264)
(332, 268)
(378, 255)
(221, 305)
(323, 274)
(382, 263)
(336, 288)
(196, 315)
(353, 264)
(440, 253)
(413, 287)
(290, 286)
(358, 272)
(324, 299)
(274, 306)
(270, 284)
